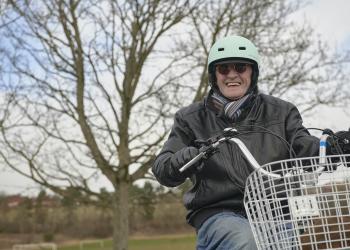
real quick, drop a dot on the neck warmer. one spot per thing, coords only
(230, 109)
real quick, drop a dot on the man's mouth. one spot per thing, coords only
(232, 84)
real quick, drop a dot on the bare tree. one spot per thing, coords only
(83, 96)
(88, 86)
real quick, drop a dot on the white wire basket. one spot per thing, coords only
(307, 207)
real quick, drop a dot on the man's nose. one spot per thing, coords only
(232, 71)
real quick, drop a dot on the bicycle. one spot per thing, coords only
(299, 203)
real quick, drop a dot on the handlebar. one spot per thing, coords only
(249, 157)
(229, 134)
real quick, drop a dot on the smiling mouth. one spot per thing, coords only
(233, 84)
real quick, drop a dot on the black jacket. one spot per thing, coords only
(219, 186)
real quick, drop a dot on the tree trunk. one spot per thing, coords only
(121, 216)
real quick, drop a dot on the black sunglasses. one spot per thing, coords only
(225, 68)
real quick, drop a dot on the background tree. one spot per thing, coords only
(88, 87)
(83, 96)
(4, 11)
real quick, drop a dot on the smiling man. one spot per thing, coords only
(215, 201)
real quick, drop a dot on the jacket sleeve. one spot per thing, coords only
(180, 136)
(304, 144)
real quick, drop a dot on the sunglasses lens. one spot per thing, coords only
(240, 67)
(223, 69)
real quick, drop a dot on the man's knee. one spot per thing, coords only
(244, 238)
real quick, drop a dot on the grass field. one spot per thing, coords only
(172, 242)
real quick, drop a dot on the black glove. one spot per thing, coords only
(343, 139)
(181, 157)
(339, 143)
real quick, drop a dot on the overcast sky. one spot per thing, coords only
(330, 18)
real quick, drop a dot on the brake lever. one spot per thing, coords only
(210, 147)
(204, 153)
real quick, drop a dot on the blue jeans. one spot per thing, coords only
(226, 231)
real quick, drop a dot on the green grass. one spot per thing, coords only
(183, 242)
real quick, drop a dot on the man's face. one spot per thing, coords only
(233, 79)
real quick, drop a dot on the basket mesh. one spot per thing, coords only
(307, 208)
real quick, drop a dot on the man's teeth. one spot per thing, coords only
(233, 84)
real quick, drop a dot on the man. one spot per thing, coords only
(215, 202)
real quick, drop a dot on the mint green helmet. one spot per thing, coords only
(235, 48)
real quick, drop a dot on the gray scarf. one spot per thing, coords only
(231, 109)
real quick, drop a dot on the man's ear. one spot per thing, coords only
(212, 79)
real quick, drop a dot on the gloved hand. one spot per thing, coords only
(343, 138)
(181, 157)
(339, 142)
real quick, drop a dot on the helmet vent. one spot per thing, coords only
(242, 48)
(220, 49)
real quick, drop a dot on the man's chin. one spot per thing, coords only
(234, 96)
